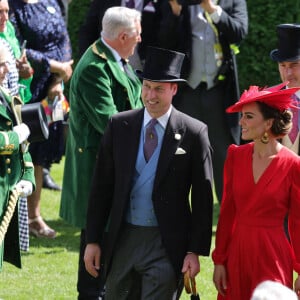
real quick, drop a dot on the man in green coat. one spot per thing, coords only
(102, 85)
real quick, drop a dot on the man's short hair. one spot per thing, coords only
(119, 19)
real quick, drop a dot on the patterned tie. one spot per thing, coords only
(151, 139)
(130, 3)
(294, 132)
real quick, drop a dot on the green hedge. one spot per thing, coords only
(255, 66)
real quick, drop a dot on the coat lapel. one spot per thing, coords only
(101, 50)
(169, 145)
(130, 145)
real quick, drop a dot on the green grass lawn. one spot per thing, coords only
(50, 267)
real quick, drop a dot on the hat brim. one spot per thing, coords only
(268, 98)
(141, 75)
(275, 56)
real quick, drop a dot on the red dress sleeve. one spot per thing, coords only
(294, 214)
(227, 212)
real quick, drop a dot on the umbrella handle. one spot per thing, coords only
(190, 284)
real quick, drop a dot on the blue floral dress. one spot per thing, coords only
(43, 26)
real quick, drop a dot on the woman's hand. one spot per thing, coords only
(220, 279)
(62, 69)
(25, 70)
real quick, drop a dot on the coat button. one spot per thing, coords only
(8, 123)
(7, 161)
(8, 170)
(80, 150)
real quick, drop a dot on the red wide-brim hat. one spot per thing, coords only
(276, 96)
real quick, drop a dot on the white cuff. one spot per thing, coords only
(216, 15)
(22, 131)
(24, 188)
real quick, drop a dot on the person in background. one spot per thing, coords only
(207, 33)
(48, 181)
(251, 245)
(49, 52)
(17, 175)
(287, 55)
(142, 231)
(103, 84)
(272, 290)
(90, 29)
(17, 82)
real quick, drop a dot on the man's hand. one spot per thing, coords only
(220, 279)
(176, 7)
(209, 6)
(191, 264)
(91, 258)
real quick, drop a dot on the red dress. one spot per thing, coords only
(250, 238)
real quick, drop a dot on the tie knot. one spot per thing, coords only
(123, 61)
(152, 122)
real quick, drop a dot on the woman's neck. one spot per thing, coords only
(266, 150)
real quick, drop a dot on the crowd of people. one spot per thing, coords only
(156, 124)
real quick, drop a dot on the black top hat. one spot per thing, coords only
(34, 116)
(162, 65)
(288, 43)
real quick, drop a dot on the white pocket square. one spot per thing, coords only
(180, 151)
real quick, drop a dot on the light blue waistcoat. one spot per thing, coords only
(140, 210)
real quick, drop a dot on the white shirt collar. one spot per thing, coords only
(113, 51)
(162, 120)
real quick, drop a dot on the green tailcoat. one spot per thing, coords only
(99, 88)
(14, 166)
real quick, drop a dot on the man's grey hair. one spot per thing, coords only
(119, 19)
(271, 290)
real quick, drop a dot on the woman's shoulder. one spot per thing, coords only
(233, 148)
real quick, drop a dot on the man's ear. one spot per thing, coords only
(122, 36)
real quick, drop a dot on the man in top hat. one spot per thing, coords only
(142, 231)
(287, 55)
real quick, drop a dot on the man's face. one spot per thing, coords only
(290, 71)
(157, 96)
(130, 40)
(3, 14)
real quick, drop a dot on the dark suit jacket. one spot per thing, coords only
(182, 228)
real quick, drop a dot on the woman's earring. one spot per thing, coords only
(265, 138)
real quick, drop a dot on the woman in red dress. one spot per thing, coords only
(261, 186)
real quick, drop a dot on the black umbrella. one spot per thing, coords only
(190, 286)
